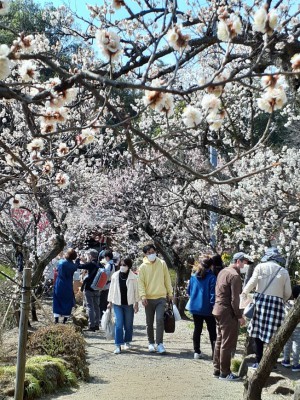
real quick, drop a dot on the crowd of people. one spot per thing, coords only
(216, 295)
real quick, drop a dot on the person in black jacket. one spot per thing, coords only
(92, 297)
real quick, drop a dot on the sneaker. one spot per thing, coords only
(231, 377)
(151, 348)
(161, 348)
(197, 356)
(127, 346)
(286, 363)
(296, 368)
(118, 350)
(216, 373)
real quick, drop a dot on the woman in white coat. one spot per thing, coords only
(123, 296)
(273, 288)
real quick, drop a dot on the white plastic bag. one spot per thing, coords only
(110, 325)
(110, 329)
(105, 318)
(176, 313)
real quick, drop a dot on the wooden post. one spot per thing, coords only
(21, 360)
(6, 314)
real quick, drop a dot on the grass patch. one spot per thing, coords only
(43, 375)
(235, 365)
(8, 271)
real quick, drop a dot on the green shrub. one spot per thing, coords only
(61, 341)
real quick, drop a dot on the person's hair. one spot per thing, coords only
(148, 247)
(217, 260)
(109, 254)
(128, 262)
(217, 264)
(93, 253)
(70, 254)
(296, 291)
(205, 262)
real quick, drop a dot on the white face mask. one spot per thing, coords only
(151, 257)
(123, 268)
(245, 268)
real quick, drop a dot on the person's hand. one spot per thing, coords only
(145, 302)
(136, 307)
(109, 306)
(170, 297)
(242, 321)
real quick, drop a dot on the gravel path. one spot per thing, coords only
(139, 375)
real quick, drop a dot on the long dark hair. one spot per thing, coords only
(127, 262)
(205, 263)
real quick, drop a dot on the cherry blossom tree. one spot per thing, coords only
(123, 121)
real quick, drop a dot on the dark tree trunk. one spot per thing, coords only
(43, 262)
(254, 386)
(34, 317)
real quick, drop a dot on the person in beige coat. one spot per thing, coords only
(123, 295)
(272, 288)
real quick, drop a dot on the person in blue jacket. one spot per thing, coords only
(63, 295)
(201, 290)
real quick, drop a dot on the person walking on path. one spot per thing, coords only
(228, 316)
(273, 288)
(109, 270)
(63, 295)
(92, 297)
(154, 289)
(123, 295)
(293, 344)
(201, 290)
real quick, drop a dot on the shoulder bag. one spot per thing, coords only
(169, 318)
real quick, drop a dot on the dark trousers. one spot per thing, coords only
(103, 302)
(198, 326)
(227, 335)
(259, 349)
(155, 307)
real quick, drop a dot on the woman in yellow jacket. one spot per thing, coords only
(123, 295)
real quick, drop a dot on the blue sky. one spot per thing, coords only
(79, 6)
(76, 5)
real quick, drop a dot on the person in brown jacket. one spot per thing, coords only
(228, 316)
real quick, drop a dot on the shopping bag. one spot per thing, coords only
(105, 318)
(110, 330)
(169, 319)
(176, 313)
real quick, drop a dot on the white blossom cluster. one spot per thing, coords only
(274, 96)
(141, 120)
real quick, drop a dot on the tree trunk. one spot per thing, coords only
(41, 265)
(254, 386)
(34, 317)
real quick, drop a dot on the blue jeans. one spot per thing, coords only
(123, 324)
